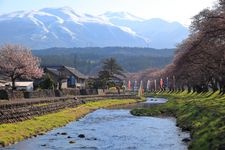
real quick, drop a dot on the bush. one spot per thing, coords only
(47, 83)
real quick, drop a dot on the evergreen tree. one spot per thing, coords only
(110, 70)
(112, 67)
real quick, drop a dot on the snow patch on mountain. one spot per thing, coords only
(121, 16)
(64, 27)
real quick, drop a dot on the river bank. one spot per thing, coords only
(201, 114)
(14, 132)
(110, 129)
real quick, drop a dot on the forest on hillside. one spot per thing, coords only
(89, 60)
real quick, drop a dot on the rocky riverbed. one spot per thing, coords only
(112, 129)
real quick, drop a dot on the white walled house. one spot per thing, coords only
(23, 85)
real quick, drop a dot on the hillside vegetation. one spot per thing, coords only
(88, 60)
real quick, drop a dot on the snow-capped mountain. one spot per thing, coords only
(116, 16)
(160, 33)
(63, 27)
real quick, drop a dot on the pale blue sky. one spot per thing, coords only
(170, 10)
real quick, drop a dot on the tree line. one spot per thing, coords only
(89, 60)
(199, 62)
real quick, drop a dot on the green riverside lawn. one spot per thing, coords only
(14, 132)
(201, 114)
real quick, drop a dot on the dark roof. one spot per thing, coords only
(3, 81)
(76, 72)
(120, 77)
(55, 71)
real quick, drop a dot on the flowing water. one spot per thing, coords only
(112, 129)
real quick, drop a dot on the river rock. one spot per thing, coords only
(63, 133)
(186, 140)
(81, 136)
(185, 129)
(41, 133)
(71, 142)
(91, 139)
(52, 139)
(69, 137)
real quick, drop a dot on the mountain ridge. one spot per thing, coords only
(63, 27)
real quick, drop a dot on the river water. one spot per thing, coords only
(111, 129)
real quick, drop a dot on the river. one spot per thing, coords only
(111, 129)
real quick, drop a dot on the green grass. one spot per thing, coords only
(202, 114)
(14, 132)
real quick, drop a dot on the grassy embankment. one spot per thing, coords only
(202, 114)
(14, 132)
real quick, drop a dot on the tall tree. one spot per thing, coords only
(110, 70)
(17, 61)
(112, 67)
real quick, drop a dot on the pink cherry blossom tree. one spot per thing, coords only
(17, 61)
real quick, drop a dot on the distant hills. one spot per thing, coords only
(89, 60)
(63, 27)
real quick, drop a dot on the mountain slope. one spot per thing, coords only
(160, 33)
(63, 27)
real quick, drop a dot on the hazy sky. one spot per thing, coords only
(170, 10)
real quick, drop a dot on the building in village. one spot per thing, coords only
(118, 80)
(24, 85)
(68, 77)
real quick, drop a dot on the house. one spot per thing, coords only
(2, 83)
(23, 85)
(20, 85)
(118, 79)
(68, 77)
(3, 80)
